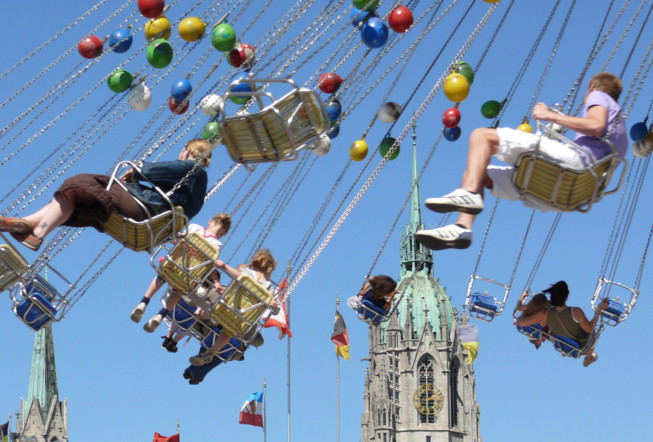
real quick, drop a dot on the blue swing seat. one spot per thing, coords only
(534, 330)
(227, 352)
(370, 312)
(182, 315)
(567, 346)
(613, 313)
(36, 309)
(484, 305)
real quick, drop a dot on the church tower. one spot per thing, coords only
(43, 418)
(418, 387)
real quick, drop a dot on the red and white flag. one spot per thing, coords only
(281, 319)
(252, 411)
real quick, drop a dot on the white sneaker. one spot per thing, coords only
(200, 359)
(460, 200)
(447, 237)
(153, 323)
(137, 313)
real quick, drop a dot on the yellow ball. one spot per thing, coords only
(456, 87)
(157, 28)
(358, 150)
(525, 127)
(191, 29)
(491, 1)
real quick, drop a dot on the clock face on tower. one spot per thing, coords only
(428, 399)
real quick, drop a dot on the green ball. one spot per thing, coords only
(465, 69)
(211, 132)
(159, 53)
(371, 4)
(385, 146)
(490, 109)
(120, 80)
(223, 37)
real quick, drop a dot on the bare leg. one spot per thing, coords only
(222, 340)
(154, 287)
(54, 214)
(173, 298)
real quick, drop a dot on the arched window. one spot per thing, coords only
(426, 376)
(454, 400)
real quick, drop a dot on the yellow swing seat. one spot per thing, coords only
(541, 179)
(150, 233)
(12, 266)
(189, 263)
(276, 132)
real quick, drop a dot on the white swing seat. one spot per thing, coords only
(541, 179)
(276, 132)
(189, 263)
(239, 310)
(12, 266)
(150, 233)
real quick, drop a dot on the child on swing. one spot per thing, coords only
(538, 303)
(379, 290)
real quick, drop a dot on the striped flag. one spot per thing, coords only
(159, 438)
(252, 411)
(340, 337)
(468, 335)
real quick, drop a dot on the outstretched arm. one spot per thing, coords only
(593, 124)
(579, 315)
(520, 307)
(536, 318)
(388, 300)
(227, 269)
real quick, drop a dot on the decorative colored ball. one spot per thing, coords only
(159, 27)
(358, 150)
(357, 16)
(334, 131)
(333, 109)
(177, 107)
(389, 112)
(159, 53)
(120, 80)
(151, 8)
(466, 70)
(525, 127)
(491, 1)
(451, 117)
(90, 47)
(366, 5)
(456, 87)
(451, 134)
(239, 87)
(223, 37)
(491, 108)
(191, 29)
(321, 146)
(649, 136)
(329, 82)
(642, 148)
(241, 56)
(386, 144)
(374, 33)
(140, 97)
(210, 104)
(120, 40)
(638, 131)
(400, 19)
(211, 133)
(180, 89)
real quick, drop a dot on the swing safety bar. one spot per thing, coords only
(617, 310)
(481, 305)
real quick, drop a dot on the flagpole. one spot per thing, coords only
(178, 427)
(288, 350)
(337, 385)
(265, 411)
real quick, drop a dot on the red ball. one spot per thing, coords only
(451, 118)
(400, 19)
(151, 8)
(177, 107)
(329, 82)
(241, 56)
(90, 47)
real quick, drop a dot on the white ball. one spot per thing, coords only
(321, 146)
(210, 104)
(140, 97)
(389, 112)
(642, 148)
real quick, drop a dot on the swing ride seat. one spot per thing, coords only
(35, 308)
(240, 308)
(276, 132)
(12, 266)
(567, 346)
(150, 233)
(182, 315)
(534, 331)
(539, 178)
(234, 349)
(483, 307)
(370, 313)
(189, 263)
(612, 315)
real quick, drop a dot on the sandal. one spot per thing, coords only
(15, 225)
(28, 240)
(590, 359)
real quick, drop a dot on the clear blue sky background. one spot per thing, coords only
(121, 385)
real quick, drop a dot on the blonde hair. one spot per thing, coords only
(537, 304)
(224, 219)
(608, 83)
(263, 261)
(197, 149)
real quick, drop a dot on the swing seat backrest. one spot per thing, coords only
(148, 234)
(370, 313)
(227, 352)
(36, 309)
(567, 346)
(612, 314)
(12, 266)
(276, 132)
(189, 263)
(483, 307)
(182, 315)
(240, 308)
(534, 331)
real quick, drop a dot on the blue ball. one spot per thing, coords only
(638, 131)
(120, 40)
(374, 32)
(180, 90)
(333, 109)
(451, 134)
(334, 131)
(357, 16)
(240, 87)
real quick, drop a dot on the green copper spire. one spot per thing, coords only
(43, 372)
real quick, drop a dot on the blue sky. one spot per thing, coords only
(121, 384)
